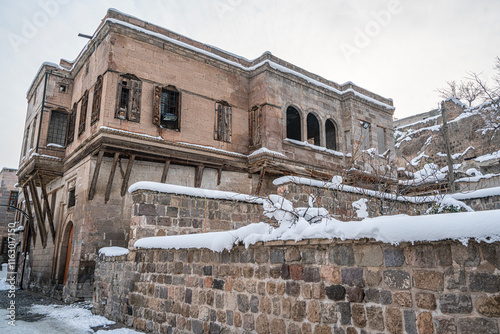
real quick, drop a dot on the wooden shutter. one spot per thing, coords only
(83, 113)
(255, 124)
(223, 120)
(96, 103)
(157, 105)
(135, 101)
(71, 125)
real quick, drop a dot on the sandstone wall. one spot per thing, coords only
(315, 286)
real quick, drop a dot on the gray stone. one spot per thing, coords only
(243, 303)
(214, 328)
(342, 255)
(311, 274)
(394, 257)
(484, 282)
(477, 325)
(197, 326)
(410, 322)
(397, 279)
(355, 294)
(292, 288)
(352, 276)
(445, 326)
(424, 256)
(372, 295)
(345, 313)
(218, 284)
(455, 304)
(246, 256)
(146, 210)
(254, 304)
(335, 292)
(277, 255)
(308, 256)
(385, 297)
(491, 253)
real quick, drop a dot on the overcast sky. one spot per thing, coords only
(402, 49)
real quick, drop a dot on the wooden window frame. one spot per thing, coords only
(255, 124)
(83, 113)
(223, 121)
(96, 101)
(131, 111)
(70, 136)
(158, 117)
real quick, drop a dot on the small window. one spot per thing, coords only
(223, 120)
(293, 124)
(365, 135)
(312, 130)
(166, 107)
(13, 199)
(331, 135)
(33, 127)
(25, 143)
(57, 128)
(71, 198)
(128, 98)
(255, 124)
(62, 88)
(83, 113)
(96, 103)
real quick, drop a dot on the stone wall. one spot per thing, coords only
(314, 286)
(158, 214)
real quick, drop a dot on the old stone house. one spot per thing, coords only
(143, 103)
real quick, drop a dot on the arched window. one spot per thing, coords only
(312, 130)
(331, 135)
(293, 124)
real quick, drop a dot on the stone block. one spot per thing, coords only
(341, 255)
(296, 271)
(335, 292)
(368, 256)
(292, 288)
(314, 311)
(330, 274)
(308, 256)
(345, 313)
(489, 306)
(248, 322)
(455, 304)
(311, 274)
(426, 300)
(446, 326)
(429, 280)
(278, 326)
(328, 313)
(467, 256)
(292, 254)
(243, 303)
(355, 294)
(254, 304)
(394, 320)
(372, 296)
(262, 324)
(424, 256)
(397, 279)
(375, 317)
(424, 323)
(484, 282)
(261, 255)
(402, 299)
(321, 329)
(410, 322)
(358, 314)
(352, 276)
(146, 210)
(477, 325)
(394, 257)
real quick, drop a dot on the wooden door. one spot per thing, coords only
(68, 254)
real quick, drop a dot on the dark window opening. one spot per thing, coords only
(365, 135)
(33, 127)
(166, 105)
(128, 105)
(312, 130)
(331, 135)
(223, 120)
(71, 198)
(62, 88)
(13, 199)
(255, 123)
(293, 126)
(96, 103)
(71, 125)
(57, 128)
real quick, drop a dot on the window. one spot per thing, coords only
(96, 103)
(13, 198)
(166, 107)
(71, 198)
(331, 135)
(312, 130)
(128, 101)
(33, 127)
(25, 143)
(57, 128)
(62, 88)
(382, 147)
(83, 113)
(365, 135)
(255, 123)
(223, 120)
(71, 124)
(293, 126)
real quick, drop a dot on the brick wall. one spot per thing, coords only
(314, 286)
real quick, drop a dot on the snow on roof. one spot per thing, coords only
(490, 156)
(481, 226)
(211, 148)
(196, 192)
(263, 150)
(113, 251)
(315, 147)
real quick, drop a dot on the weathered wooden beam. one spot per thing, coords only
(165, 171)
(93, 184)
(127, 174)
(219, 175)
(30, 214)
(261, 179)
(198, 176)
(111, 177)
(47, 208)
(38, 212)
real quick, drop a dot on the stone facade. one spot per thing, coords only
(103, 122)
(313, 286)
